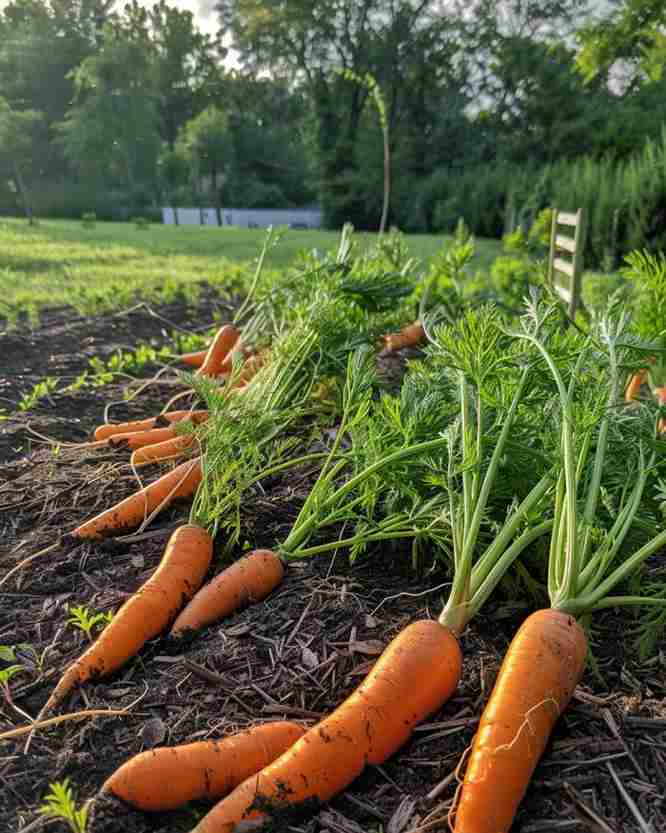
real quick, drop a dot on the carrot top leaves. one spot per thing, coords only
(605, 461)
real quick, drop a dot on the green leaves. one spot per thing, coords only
(59, 803)
(85, 620)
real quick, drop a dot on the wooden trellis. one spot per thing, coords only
(565, 263)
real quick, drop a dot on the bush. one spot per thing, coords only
(89, 219)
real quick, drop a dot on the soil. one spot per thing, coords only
(297, 655)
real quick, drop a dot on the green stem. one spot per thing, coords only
(623, 601)
(300, 531)
(466, 475)
(257, 273)
(502, 564)
(591, 600)
(306, 552)
(485, 563)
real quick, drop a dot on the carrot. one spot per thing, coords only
(195, 359)
(225, 339)
(247, 580)
(634, 385)
(146, 613)
(103, 432)
(133, 510)
(546, 658)
(416, 674)
(168, 777)
(410, 336)
(250, 368)
(166, 450)
(541, 669)
(660, 393)
(140, 438)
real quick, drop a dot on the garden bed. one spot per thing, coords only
(296, 656)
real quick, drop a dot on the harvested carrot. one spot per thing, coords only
(104, 432)
(140, 438)
(541, 669)
(195, 359)
(416, 674)
(146, 613)
(547, 656)
(166, 450)
(168, 777)
(410, 336)
(225, 339)
(660, 393)
(247, 580)
(132, 511)
(634, 386)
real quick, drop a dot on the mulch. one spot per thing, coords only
(297, 655)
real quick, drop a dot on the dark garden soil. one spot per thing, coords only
(297, 655)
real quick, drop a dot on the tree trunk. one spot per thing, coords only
(387, 180)
(20, 184)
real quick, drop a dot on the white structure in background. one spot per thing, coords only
(309, 217)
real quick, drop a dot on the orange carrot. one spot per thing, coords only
(146, 613)
(247, 580)
(131, 512)
(168, 777)
(541, 669)
(195, 359)
(167, 450)
(660, 393)
(103, 432)
(140, 438)
(634, 385)
(410, 336)
(225, 339)
(366, 729)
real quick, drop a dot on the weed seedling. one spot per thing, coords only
(85, 620)
(59, 803)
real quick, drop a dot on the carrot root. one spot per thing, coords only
(410, 336)
(634, 385)
(223, 342)
(541, 669)
(415, 675)
(104, 432)
(131, 512)
(168, 777)
(146, 613)
(167, 450)
(250, 579)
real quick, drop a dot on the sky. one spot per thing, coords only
(201, 9)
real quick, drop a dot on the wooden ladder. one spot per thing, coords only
(565, 262)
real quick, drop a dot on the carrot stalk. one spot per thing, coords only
(166, 450)
(367, 728)
(146, 613)
(247, 580)
(168, 777)
(133, 510)
(225, 339)
(410, 336)
(541, 669)
(104, 432)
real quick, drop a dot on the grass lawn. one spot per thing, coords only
(61, 262)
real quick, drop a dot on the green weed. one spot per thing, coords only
(83, 619)
(59, 803)
(40, 391)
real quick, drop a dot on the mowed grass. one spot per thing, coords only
(114, 264)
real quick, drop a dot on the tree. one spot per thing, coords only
(303, 41)
(207, 144)
(631, 33)
(112, 132)
(185, 68)
(18, 130)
